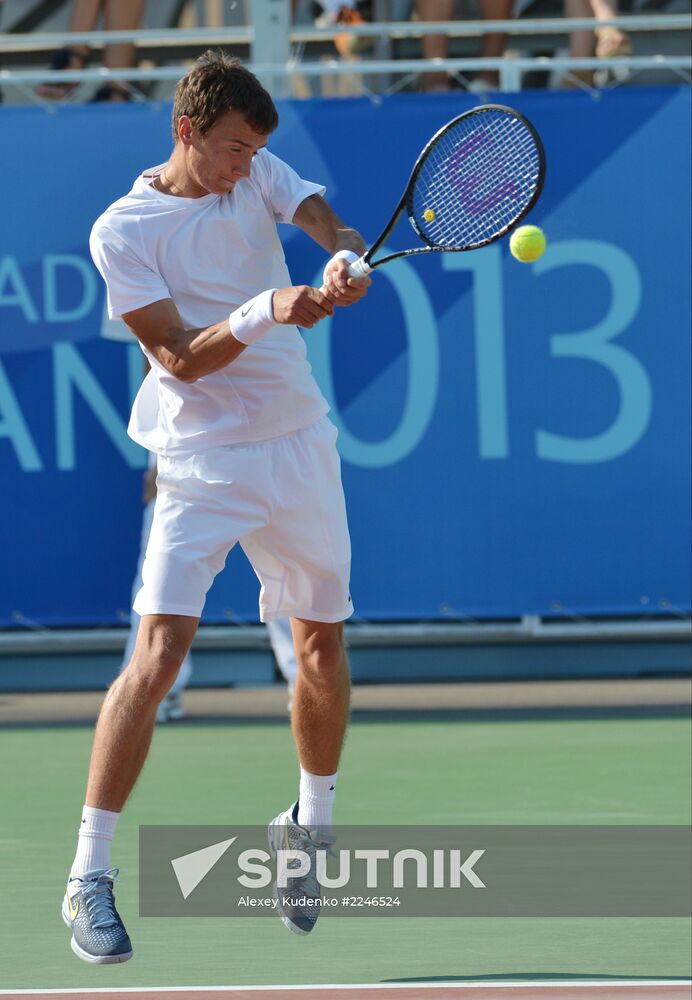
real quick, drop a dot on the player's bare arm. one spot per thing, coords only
(188, 354)
(315, 217)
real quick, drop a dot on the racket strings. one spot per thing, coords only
(476, 180)
(476, 177)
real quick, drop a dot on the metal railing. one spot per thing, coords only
(277, 57)
(203, 37)
(531, 629)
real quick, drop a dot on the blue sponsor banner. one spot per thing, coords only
(515, 438)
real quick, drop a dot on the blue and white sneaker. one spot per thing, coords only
(299, 904)
(98, 934)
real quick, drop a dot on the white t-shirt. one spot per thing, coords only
(210, 255)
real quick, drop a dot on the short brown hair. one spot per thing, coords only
(216, 84)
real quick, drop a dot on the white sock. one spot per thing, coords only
(316, 798)
(94, 844)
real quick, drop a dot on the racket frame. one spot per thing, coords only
(366, 261)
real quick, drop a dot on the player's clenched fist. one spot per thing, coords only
(342, 289)
(301, 305)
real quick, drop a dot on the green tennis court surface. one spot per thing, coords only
(612, 770)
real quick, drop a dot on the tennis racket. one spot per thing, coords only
(474, 181)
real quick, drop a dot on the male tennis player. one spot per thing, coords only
(245, 451)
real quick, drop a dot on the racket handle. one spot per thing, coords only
(359, 268)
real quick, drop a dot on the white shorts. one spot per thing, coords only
(281, 499)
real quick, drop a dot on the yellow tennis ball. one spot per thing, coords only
(429, 215)
(527, 243)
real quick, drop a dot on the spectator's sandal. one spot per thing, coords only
(611, 42)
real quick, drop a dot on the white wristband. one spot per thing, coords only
(251, 321)
(348, 255)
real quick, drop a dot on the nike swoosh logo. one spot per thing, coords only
(74, 910)
(244, 312)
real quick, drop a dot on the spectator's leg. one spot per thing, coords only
(83, 17)
(435, 46)
(493, 44)
(123, 15)
(581, 43)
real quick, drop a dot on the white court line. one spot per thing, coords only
(565, 983)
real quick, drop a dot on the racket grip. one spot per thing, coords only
(359, 268)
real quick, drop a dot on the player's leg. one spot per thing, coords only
(192, 532)
(126, 722)
(121, 743)
(171, 707)
(319, 716)
(302, 556)
(321, 699)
